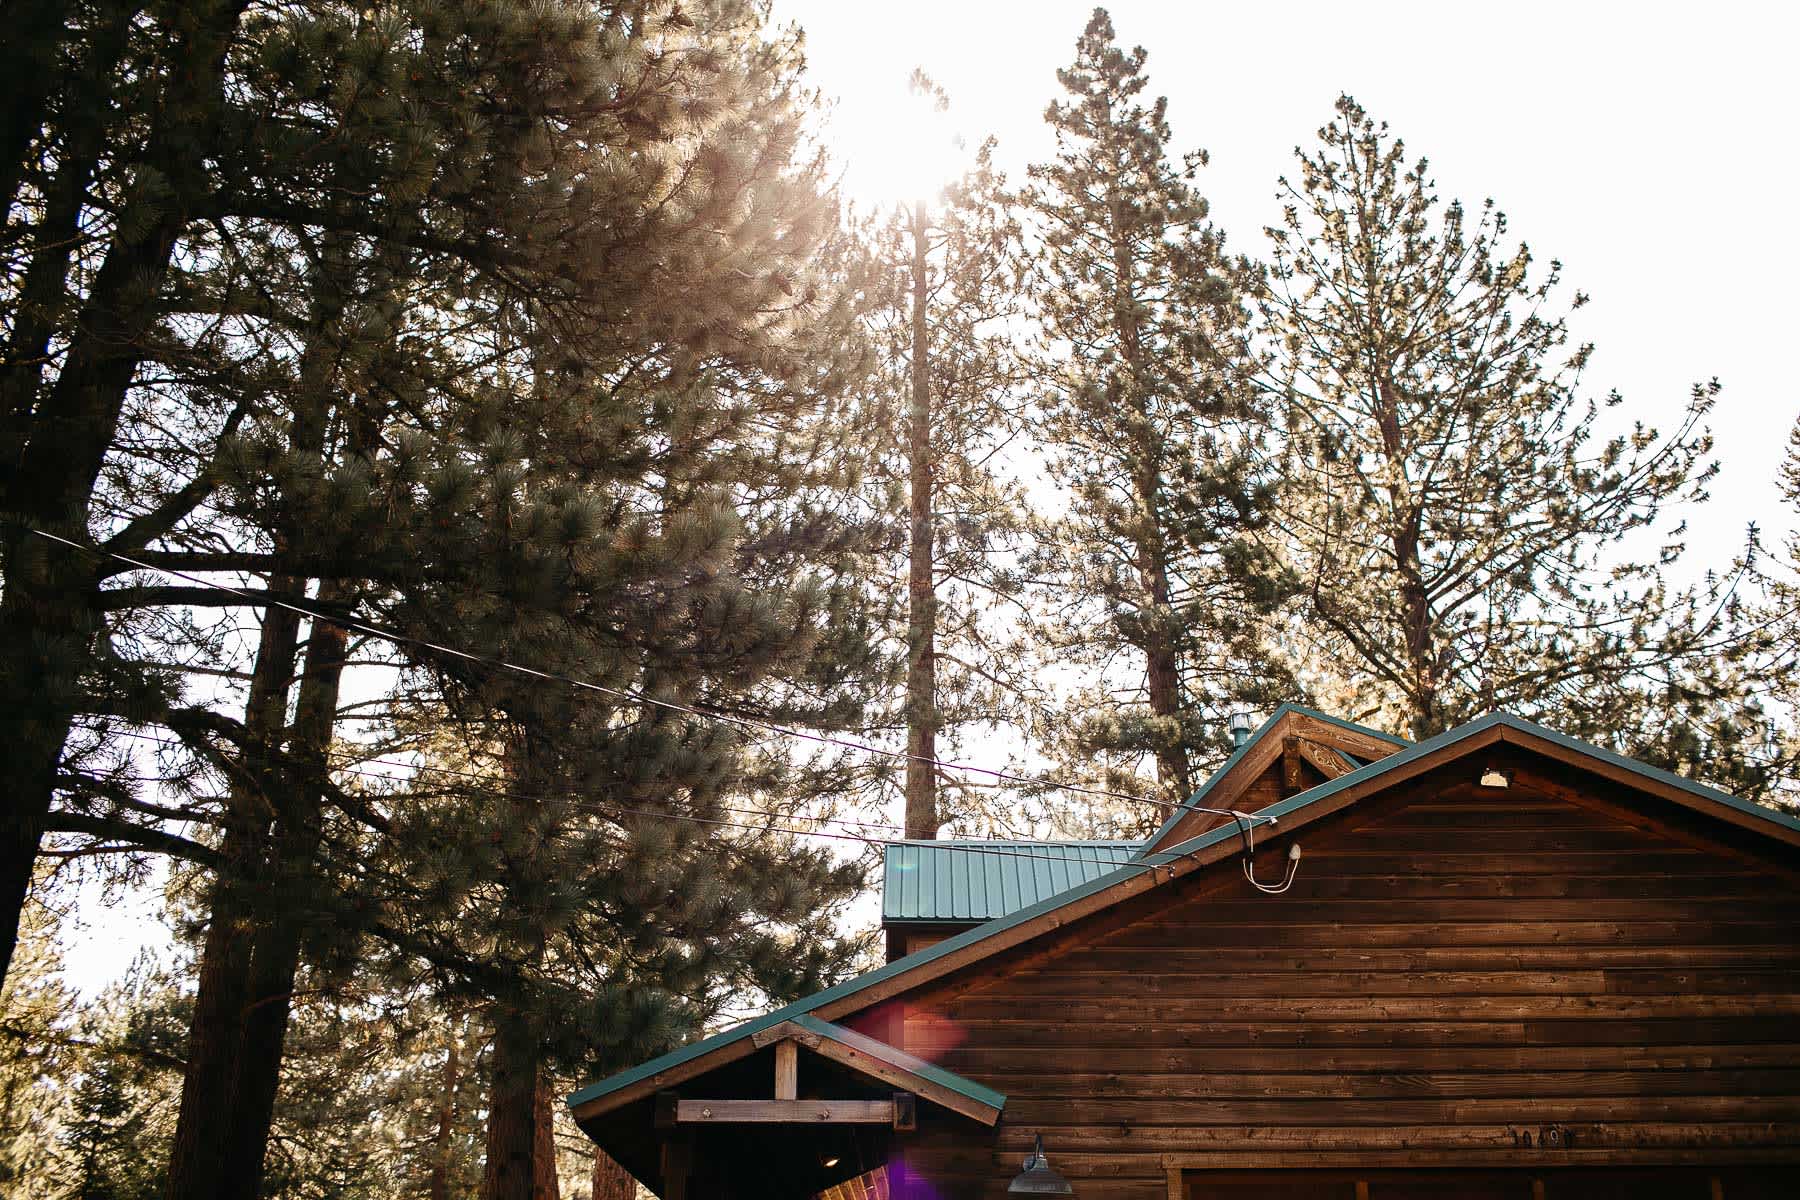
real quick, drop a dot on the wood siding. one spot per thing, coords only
(1455, 970)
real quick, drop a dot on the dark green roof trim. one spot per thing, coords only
(893, 1056)
(1747, 807)
(1283, 808)
(1199, 797)
(1419, 750)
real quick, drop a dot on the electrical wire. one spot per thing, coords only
(613, 813)
(350, 623)
(1247, 833)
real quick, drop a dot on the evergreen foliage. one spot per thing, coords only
(945, 310)
(1462, 536)
(1149, 421)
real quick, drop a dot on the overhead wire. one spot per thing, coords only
(613, 812)
(351, 623)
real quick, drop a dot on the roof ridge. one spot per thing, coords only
(1186, 807)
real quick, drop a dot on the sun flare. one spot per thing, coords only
(895, 148)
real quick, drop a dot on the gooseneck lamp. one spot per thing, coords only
(1038, 1178)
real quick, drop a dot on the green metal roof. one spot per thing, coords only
(893, 1056)
(1283, 808)
(968, 880)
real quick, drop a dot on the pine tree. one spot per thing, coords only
(944, 297)
(1461, 535)
(359, 245)
(35, 1006)
(639, 403)
(1148, 418)
(60, 423)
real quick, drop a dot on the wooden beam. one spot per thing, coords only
(1329, 763)
(868, 1064)
(787, 1070)
(1175, 1189)
(1293, 774)
(784, 1112)
(1364, 746)
(728, 1052)
(677, 1162)
(785, 1031)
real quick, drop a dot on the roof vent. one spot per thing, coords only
(1240, 728)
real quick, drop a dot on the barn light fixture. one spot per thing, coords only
(1038, 1178)
(1496, 777)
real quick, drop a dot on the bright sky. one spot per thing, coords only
(1646, 146)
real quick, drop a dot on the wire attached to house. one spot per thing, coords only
(1247, 833)
(352, 624)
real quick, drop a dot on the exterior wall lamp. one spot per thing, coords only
(1038, 1178)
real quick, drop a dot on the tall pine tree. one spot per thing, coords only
(944, 307)
(1462, 537)
(1148, 417)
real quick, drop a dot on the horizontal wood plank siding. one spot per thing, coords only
(1472, 964)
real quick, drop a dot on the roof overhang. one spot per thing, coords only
(864, 1055)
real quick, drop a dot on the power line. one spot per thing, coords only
(350, 623)
(614, 811)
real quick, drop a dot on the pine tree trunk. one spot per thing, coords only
(48, 619)
(1415, 601)
(216, 1033)
(611, 1181)
(921, 591)
(275, 953)
(512, 1109)
(34, 31)
(1162, 668)
(439, 1186)
(544, 1184)
(38, 307)
(1162, 673)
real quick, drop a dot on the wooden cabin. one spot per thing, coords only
(1509, 964)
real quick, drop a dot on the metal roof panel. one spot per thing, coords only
(976, 880)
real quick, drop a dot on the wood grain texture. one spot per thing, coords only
(784, 1112)
(1450, 974)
